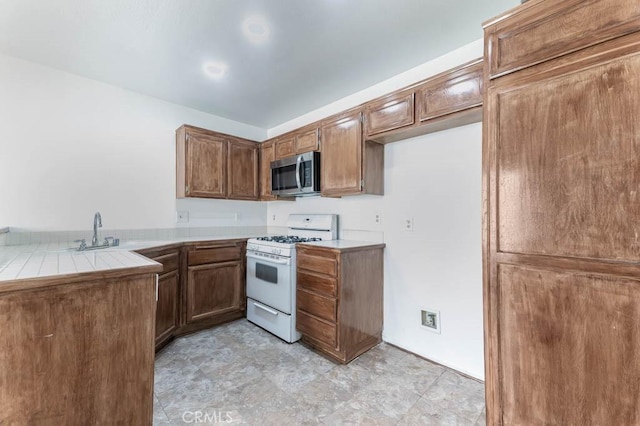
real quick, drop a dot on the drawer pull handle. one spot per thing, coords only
(264, 308)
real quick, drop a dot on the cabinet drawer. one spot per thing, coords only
(203, 255)
(545, 30)
(169, 262)
(389, 114)
(284, 148)
(316, 328)
(457, 90)
(322, 265)
(322, 307)
(317, 283)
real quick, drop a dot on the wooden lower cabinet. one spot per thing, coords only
(214, 285)
(339, 299)
(213, 290)
(168, 302)
(79, 353)
(167, 307)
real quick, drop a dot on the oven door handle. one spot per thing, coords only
(264, 308)
(298, 164)
(265, 259)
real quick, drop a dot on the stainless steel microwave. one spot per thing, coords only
(296, 176)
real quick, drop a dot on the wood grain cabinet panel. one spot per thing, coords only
(542, 31)
(307, 140)
(389, 113)
(243, 170)
(321, 284)
(562, 363)
(78, 353)
(168, 293)
(167, 307)
(573, 171)
(285, 147)
(561, 172)
(349, 165)
(215, 284)
(203, 172)
(215, 165)
(340, 313)
(267, 155)
(317, 305)
(454, 91)
(214, 290)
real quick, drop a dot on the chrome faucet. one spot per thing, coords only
(97, 223)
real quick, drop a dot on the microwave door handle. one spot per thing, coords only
(298, 164)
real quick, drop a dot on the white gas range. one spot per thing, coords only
(271, 272)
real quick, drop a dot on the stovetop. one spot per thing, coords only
(288, 239)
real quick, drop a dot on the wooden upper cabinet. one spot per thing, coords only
(456, 90)
(532, 33)
(348, 164)
(341, 162)
(201, 164)
(215, 165)
(307, 140)
(285, 147)
(243, 170)
(267, 155)
(300, 141)
(389, 113)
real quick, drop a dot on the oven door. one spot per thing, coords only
(270, 280)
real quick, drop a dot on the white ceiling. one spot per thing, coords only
(318, 51)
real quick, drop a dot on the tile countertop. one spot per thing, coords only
(52, 261)
(45, 262)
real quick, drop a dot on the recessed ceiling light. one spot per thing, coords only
(215, 69)
(256, 30)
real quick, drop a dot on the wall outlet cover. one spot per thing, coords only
(182, 217)
(430, 320)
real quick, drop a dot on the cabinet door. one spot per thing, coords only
(214, 289)
(341, 162)
(166, 306)
(307, 141)
(267, 155)
(285, 147)
(455, 91)
(562, 158)
(390, 113)
(206, 164)
(243, 170)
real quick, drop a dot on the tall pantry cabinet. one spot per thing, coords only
(561, 176)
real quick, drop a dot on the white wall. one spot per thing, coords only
(435, 180)
(71, 146)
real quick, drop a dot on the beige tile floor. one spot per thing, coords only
(240, 374)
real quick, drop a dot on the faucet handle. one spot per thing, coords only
(83, 244)
(107, 241)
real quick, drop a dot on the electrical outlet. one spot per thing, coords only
(431, 320)
(408, 224)
(273, 217)
(182, 217)
(377, 217)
